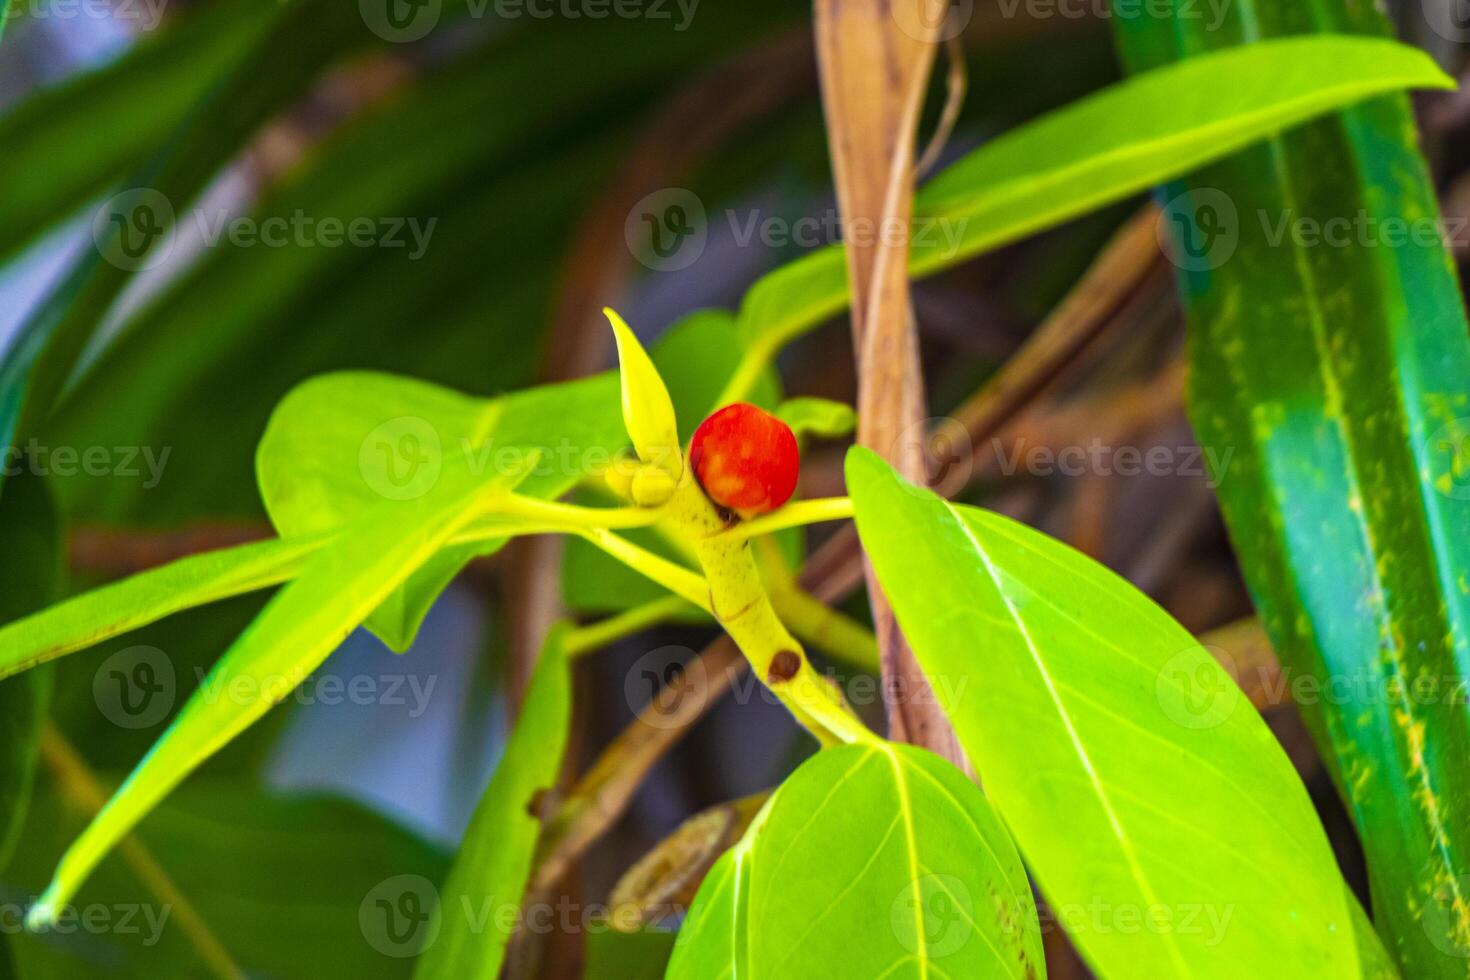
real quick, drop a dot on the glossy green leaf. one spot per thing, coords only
(116, 608)
(30, 576)
(820, 417)
(1158, 813)
(1100, 150)
(1335, 367)
(870, 860)
(295, 887)
(335, 591)
(68, 144)
(490, 873)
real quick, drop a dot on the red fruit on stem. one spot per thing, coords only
(745, 459)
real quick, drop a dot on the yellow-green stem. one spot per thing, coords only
(740, 603)
(594, 636)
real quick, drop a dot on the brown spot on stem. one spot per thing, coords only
(784, 666)
(536, 806)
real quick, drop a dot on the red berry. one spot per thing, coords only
(746, 459)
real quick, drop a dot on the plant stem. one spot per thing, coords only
(572, 515)
(757, 358)
(740, 603)
(797, 514)
(586, 639)
(676, 578)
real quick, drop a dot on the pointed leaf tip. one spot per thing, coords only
(648, 412)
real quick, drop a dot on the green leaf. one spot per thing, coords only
(1334, 371)
(494, 862)
(820, 417)
(290, 886)
(614, 955)
(1145, 780)
(870, 860)
(69, 144)
(340, 445)
(335, 591)
(30, 576)
(114, 609)
(1100, 150)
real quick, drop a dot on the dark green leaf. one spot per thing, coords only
(30, 576)
(289, 885)
(1333, 373)
(494, 861)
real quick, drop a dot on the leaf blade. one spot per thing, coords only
(1162, 819)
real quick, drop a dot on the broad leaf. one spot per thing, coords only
(303, 36)
(69, 144)
(334, 592)
(494, 862)
(30, 576)
(1146, 789)
(1336, 370)
(1100, 150)
(294, 887)
(871, 860)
